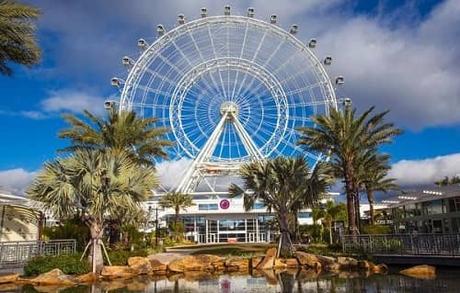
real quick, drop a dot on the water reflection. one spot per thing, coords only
(268, 281)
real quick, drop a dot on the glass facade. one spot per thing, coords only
(202, 229)
(431, 216)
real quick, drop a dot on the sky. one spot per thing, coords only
(398, 55)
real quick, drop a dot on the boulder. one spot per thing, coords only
(268, 260)
(290, 262)
(201, 262)
(88, 278)
(141, 265)
(421, 272)
(346, 262)
(309, 260)
(158, 268)
(235, 264)
(10, 278)
(164, 258)
(278, 264)
(53, 277)
(368, 266)
(114, 272)
(255, 261)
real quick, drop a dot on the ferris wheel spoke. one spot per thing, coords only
(203, 59)
(215, 56)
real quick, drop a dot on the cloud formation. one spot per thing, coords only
(427, 171)
(16, 181)
(72, 101)
(394, 60)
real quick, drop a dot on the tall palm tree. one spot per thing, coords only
(284, 185)
(18, 42)
(93, 184)
(122, 131)
(346, 136)
(374, 178)
(177, 201)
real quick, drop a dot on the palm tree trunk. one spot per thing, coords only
(330, 232)
(95, 257)
(285, 237)
(357, 210)
(370, 199)
(351, 196)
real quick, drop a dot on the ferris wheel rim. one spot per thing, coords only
(141, 64)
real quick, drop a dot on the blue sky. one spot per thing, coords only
(397, 55)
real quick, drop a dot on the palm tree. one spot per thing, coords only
(177, 201)
(328, 214)
(122, 131)
(283, 185)
(17, 35)
(93, 184)
(346, 136)
(374, 178)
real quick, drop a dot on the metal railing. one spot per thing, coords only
(16, 253)
(403, 244)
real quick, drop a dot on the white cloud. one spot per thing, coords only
(72, 101)
(16, 180)
(409, 66)
(171, 172)
(427, 171)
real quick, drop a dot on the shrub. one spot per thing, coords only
(120, 257)
(376, 229)
(68, 264)
(69, 229)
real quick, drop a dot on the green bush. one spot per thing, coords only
(69, 229)
(68, 264)
(120, 257)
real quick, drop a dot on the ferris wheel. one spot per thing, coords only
(230, 88)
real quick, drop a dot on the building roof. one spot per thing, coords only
(423, 194)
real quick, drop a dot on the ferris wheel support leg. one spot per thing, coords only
(189, 181)
(248, 143)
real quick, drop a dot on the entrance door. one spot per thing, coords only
(212, 238)
(262, 237)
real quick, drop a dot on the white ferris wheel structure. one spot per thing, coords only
(230, 89)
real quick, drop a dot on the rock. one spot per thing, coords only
(368, 266)
(291, 262)
(114, 272)
(346, 262)
(11, 278)
(309, 260)
(279, 264)
(235, 264)
(197, 275)
(255, 261)
(53, 277)
(141, 265)
(268, 260)
(88, 278)
(380, 269)
(164, 258)
(158, 268)
(421, 272)
(201, 262)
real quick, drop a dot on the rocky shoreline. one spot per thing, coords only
(194, 267)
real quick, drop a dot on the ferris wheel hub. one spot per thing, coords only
(230, 108)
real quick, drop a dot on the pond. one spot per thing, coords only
(448, 280)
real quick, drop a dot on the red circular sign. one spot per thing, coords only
(224, 204)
